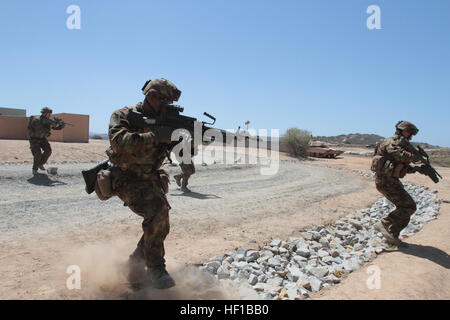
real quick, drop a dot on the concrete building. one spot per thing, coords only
(13, 125)
(13, 112)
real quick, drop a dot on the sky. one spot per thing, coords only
(310, 64)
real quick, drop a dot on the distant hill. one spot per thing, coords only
(362, 140)
(425, 145)
(352, 138)
(93, 135)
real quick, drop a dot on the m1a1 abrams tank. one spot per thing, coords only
(320, 149)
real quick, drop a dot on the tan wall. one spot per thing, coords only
(16, 128)
(78, 132)
(13, 127)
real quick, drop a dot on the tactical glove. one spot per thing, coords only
(163, 134)
(416, 158)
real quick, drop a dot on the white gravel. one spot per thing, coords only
(292, 268)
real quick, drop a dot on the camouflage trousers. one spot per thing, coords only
(393, 190)
(145, 197)
(187, 171)
(40, 157)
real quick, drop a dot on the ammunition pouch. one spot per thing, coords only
(103, 185)
(389, 168)
(400, 171)
(90, 176)
(377, 163)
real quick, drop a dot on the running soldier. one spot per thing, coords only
(182, 179)
(187, 169)
(391, 162)
(137, 155)
(39, 129)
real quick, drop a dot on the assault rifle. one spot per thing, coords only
(425, 168)
(173, 119)
(59, 123)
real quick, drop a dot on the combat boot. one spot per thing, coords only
(135, 269)
(178, 179)
(184, 187)
(35, 172)
(159, 278)
(390, 238)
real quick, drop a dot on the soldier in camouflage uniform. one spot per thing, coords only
(38, 131)
(182, 180)
(138, 180)
(187, 171)
(391, 162)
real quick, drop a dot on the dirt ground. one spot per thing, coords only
(232, 207)
(421, 271)
(18, 151)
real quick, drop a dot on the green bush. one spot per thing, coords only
(96, 136)
(296, 142)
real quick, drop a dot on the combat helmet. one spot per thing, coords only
(160, 86)
(406, 125)
(46, 110)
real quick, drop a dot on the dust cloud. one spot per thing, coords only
(103, 276)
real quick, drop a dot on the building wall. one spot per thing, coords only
(14, 127)
(77, 132)
(13, 112)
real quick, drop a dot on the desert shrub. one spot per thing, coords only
(97, 136)
(296, 142)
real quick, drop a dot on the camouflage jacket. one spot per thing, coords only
(391, 159)
(40, 127)
(134, 149)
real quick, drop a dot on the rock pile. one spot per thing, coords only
(363, 174)
(292, 269)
